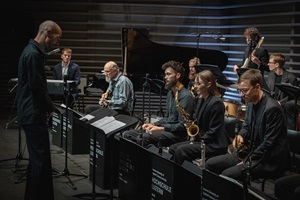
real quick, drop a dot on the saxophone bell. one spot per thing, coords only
(192, 129)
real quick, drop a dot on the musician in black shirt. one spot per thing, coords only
(255, 56)
(261, 144)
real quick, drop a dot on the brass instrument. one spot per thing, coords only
(192, 128)
(102, 103)
(242, 150)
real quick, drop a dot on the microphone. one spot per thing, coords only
(53, 52)
(220, 39)
(65, 78)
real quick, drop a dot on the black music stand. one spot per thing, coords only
(65, 171)
(293, 91)
(214, 69)
(128, 122)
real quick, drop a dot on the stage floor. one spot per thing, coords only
(76, 164)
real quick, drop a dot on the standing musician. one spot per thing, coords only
(119, 95)
(209, 115)
(261, 144)
(169, 129)
(256, 58)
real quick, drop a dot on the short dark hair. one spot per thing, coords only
(253, 75)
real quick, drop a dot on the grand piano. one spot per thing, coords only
(141, 56)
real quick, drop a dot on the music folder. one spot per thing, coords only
(103, 128)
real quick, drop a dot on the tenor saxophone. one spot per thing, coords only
(192, 128)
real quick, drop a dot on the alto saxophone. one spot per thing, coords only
(192, 128)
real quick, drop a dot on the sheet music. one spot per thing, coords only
(87, 117)
(108, 124)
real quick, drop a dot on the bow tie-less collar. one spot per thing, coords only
(62, 64)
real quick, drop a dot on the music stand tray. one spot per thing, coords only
(291, 90)
(214, 69)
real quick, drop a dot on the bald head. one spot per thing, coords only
(111, 69)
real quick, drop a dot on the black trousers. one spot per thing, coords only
(39, 183)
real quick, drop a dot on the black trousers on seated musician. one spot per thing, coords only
(190, 151)
(165, 138)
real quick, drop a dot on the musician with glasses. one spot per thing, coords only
(279, 75)
(119, 95)
(261, 144)
(209, 117)
(255, 56)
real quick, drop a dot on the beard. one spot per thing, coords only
(171, 84)
(107, 79)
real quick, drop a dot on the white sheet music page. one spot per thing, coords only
(108, 124)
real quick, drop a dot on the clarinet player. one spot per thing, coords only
(265, 128)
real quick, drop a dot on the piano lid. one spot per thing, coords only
(141, 56)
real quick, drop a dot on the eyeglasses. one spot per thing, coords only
(271, 62)
(244, 90)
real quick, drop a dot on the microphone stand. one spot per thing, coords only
(197, 51)
(160, 110)
(145, 86)
(66, 172)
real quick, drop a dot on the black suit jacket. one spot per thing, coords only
(210, 119)
(262, 54)
(73, 72)
(287, 77)
(268, 136)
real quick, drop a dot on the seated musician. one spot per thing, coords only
(169, 129)
(71, 70)
(119, 95)
(209, 114)
(278, 75)
(192, 74)
(261, 144)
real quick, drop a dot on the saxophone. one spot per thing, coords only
(192, 128)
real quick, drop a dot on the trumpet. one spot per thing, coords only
(192, 128)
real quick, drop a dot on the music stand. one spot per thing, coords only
(65, 171)
(128, 122)
(293, 91)
(214, 69)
